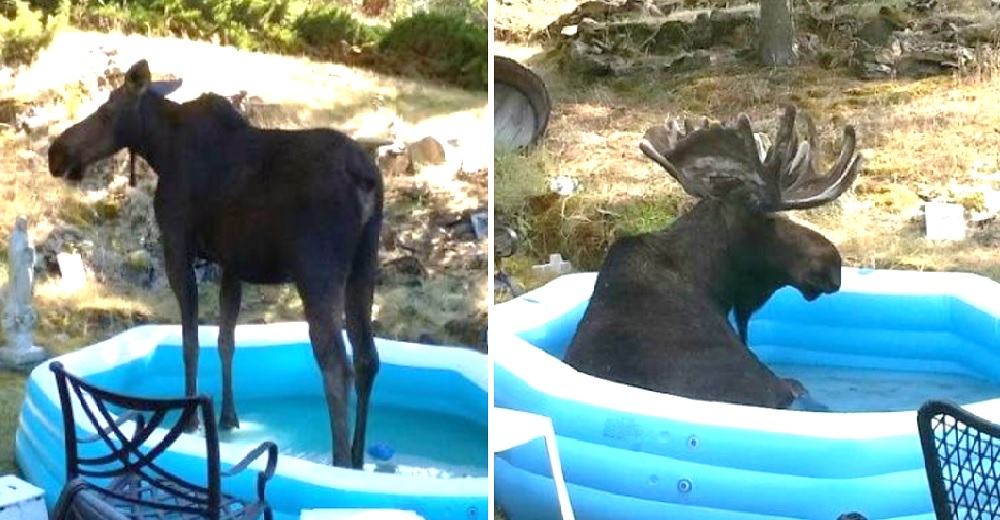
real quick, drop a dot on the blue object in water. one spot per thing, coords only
(381, 451)
(872, 353)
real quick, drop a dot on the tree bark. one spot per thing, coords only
(777, 33)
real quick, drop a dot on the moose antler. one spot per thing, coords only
(717, 161)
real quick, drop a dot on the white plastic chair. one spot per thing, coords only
(511, 428)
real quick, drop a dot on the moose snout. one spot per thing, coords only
(57, 159)
(819, 284)
(63, 162)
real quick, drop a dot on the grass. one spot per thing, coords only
(320, 30)
(934, 138)
(451, 303)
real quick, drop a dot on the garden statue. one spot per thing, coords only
(18, 319)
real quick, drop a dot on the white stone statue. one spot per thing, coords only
(18, 320)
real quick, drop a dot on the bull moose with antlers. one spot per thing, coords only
(658, 315)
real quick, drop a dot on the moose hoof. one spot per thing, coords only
(229, 422)
(192, 425)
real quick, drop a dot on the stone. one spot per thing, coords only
(876, 32)
(18, 319)
(139, 259)
(393, 160)
(408, 270)
(426, 151)
(60, 240)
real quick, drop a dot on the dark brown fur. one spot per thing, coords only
(658, 316)
(268, 206)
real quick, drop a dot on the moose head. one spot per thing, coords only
(729, 163)
(115, 125)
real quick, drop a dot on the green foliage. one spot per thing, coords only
(250, 24)
(23, 33)
(440, 45)
(475, 11)
(327, 27)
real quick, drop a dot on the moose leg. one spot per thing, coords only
(743, 323)
(360, 289)
(323, 299)
(230, 294)
(180, 275)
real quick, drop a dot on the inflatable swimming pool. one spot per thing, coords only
(429, 403)
(872, 352)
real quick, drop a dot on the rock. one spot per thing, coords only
(60, 240)
(876, 32)
(912, 55)
(393, 160)
(405, 270)
(981, 32)
(426, 151)
(414, 191)
(921, 6)
(9, 111)
(468, 331)
(139, 259)
(624, 42)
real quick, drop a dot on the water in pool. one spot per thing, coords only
(425, 443)
(850, 389)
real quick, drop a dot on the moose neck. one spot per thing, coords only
(716, 239)
(155, 132)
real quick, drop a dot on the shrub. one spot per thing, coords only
(23, 33)
(251, 24)
(441, 45)
(328, 28)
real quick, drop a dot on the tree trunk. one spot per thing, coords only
(777, 33)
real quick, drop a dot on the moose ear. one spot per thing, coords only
(137, 78)
(165, 87)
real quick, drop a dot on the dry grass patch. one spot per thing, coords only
(935, 138)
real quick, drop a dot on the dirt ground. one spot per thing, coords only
(433, 286)
(923, 139)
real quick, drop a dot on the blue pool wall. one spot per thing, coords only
(271, 360)
(628, 452)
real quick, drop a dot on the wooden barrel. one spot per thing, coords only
(521, 105)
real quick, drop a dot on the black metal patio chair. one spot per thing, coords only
(962, 458)
(504, 246)
(121, 477)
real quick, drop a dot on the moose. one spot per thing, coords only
(658, 315)
(268, 207)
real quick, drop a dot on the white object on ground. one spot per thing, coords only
(480, 224)
(944, 220)
(20, 500)
(512, 428)
(556, 265)
(563, 185)
(74, 277)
